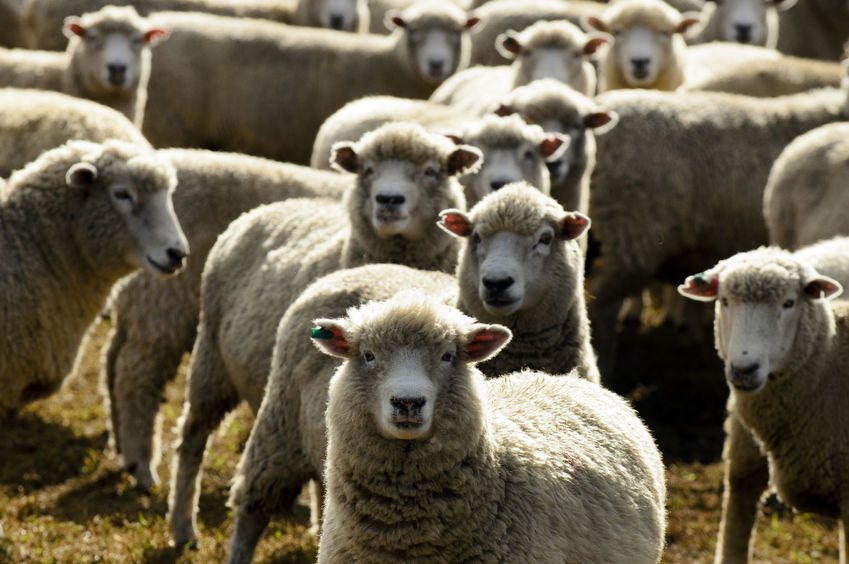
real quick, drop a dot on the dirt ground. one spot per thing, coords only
(63, 498)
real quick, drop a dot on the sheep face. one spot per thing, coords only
(761, 298)
(341, 15)
(107, 59)
(406, 361)
(394, 189)
(641, 53)
(743, 21)
(130, 205)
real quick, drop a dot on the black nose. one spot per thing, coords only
(435, 67)
(390, 200)
(744, 32)
(407, 406)
(176, 256)
(496, 184)
(497, 285)
(336, 21)
(116, 72)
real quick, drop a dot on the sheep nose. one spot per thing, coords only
(336, 21)
(744, 32)
(496, 184)
(435, 67)
(390, 199)
(176, 256)
(497, 285)
(409, 406)
(116, 72)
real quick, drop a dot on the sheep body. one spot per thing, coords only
(805, 199)
(154, 321)
(493, 454)
(72, 223)
(210, 61)
(829, 257)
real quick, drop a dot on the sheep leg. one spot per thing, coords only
(316, 505)
(746, 478)
(248, 525)
(842, 543)
(211, 396)
(109, 356)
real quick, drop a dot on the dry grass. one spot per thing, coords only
(63, 498)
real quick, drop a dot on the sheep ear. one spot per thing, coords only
(473, 21)
(596, 40)
(702, 287)
(688, 20)
(344, 158)
(81, 175)
(155, 35)
(484, 341)
(602, 121)
(573, 225)
(504, 110)
(508, 45)
(393, 20)
(73, 27)
(455, 222)
(329, 336)
(784, 4)
(456, 139)
(554, 145)
(463, 160)
(823, 288)
(590, 23)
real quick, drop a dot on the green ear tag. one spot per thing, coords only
(321, 333)
(700, 278)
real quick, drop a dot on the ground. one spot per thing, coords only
(63, 498)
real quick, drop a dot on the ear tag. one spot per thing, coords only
(701, 280)
(321, 333)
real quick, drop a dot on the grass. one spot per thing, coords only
(64, 499)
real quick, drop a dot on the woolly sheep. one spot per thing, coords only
(42, 19)
(404, 176)
(753, 22)
(547, 318)
(154, 321)
(648, 48)
(107, 61)
(686, 220)
(33, 121)
(805, 199)
(829, 257)
(558, 50)
(815, 29)
(410, 420)
(72, 223)
(783, 345)
(207, 90)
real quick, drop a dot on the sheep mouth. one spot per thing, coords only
(167, 270)
(501, 303)
(407, 423)
(747, 386)
(388, 215)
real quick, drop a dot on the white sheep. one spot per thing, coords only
(829, 257)
(784, 348)
(648, 47)
(753, 22)
(543, 307)
(805, 199)
(558, 50)
(657, 210)
(815, 29)
(207, 89)
(428, 460)
(72, 223)
(107, 61)
(33, 121)
(154, 321)
(404, 177)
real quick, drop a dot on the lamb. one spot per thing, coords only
(208, 91)
(648, 51)
(686, 220)
(107, 60)
(154, 321)
(285, 449)
(805, 199)
(41, 19)
(558, 50)
(783, 345)
(815, 29)
(265, 258)
(72, 223)
(411, 421)
(33, 121)
(753, 22)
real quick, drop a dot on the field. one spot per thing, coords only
(63, 498)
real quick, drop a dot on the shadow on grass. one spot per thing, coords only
(35, 453)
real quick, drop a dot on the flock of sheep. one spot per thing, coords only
(408, 316)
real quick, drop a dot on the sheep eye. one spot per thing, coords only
(529, 155)
(724, 302)
(368, 171)
(545, 239)
(788, 304)
(122, 195)
(431, 172)
(447, 357)
(476, 238)
(368, 356)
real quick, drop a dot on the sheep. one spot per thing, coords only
(805, 199)
(829, 257)
(657, 211)
(207, 89)
(512, 150)
(753, 22)
(404, 176)
(154, 321)
(72, 223)
(33, 121)
(107, 61)
(42, 19)
(783, 345)
(283, 453)
(427, 460)
(558, 108)
(558, 50)
(815, 29)
(648, 48)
